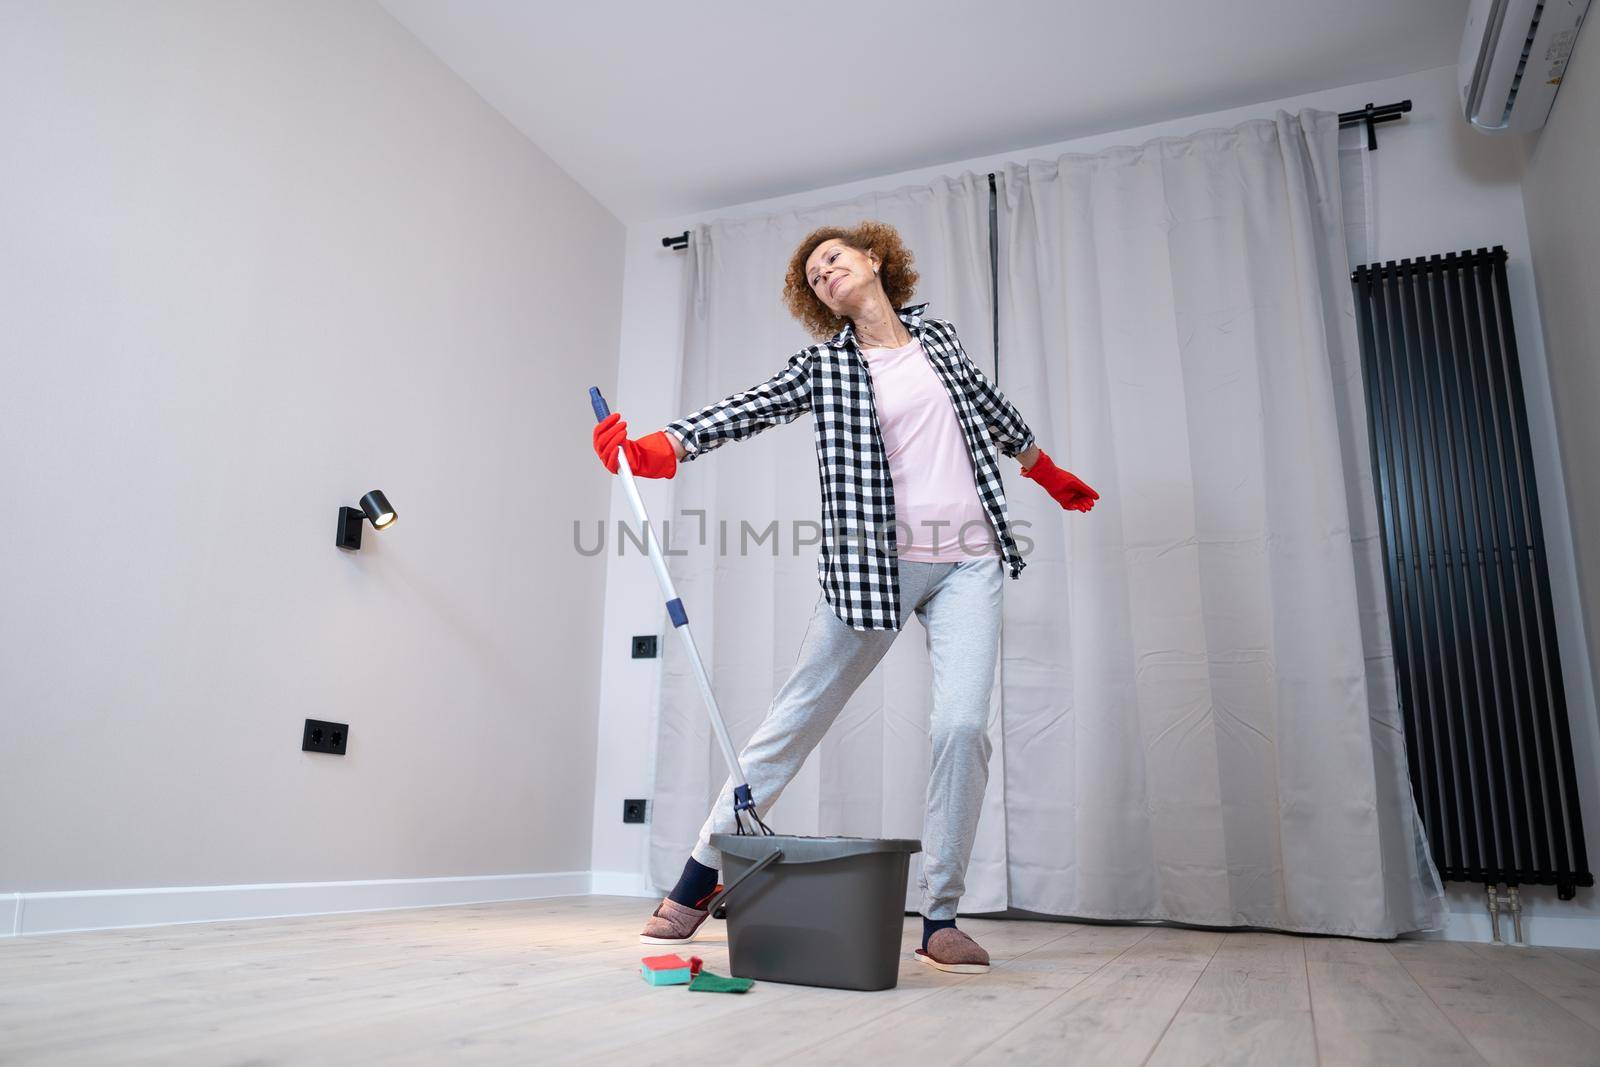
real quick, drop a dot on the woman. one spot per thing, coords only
(914, 521)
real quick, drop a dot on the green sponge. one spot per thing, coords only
(706, 982)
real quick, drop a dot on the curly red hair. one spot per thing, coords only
(898, 277)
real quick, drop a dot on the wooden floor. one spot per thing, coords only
(556, 980)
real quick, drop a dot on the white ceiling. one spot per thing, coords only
(663, 109)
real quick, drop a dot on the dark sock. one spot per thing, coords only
(930, 925)
(694, 885)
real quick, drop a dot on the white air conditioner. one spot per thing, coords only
(1513, 55)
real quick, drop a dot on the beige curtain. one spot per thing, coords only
(1195, 714)
(1200, 712)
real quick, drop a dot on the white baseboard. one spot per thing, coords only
(1541, 931)
(621, 884)
(100, 909)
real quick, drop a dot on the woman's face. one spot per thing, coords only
(841, 276)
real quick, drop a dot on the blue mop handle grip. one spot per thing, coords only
(598, 402)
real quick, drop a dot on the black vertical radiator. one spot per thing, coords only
(1476, 662)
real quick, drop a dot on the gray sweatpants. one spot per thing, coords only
(959, 606)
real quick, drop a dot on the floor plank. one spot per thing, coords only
(1562, 980)
(1368, 1009)
(248, 990)
(1589, 957)
(1119, 1013)
(536, 981)
(1252, 1005)
(1506, 1020)
(969, 1013)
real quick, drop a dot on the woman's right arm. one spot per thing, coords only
(782, 398)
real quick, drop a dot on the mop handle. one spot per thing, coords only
(680, 618)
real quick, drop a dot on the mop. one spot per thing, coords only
(744, 804)
(834, 919)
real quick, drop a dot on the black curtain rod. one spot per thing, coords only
(1368, 116)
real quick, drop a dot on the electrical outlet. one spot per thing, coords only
(329, 737)
(644, 646)
(634, 810)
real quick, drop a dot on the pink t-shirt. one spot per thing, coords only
(935, 492)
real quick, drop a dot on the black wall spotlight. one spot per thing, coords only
(374, 506)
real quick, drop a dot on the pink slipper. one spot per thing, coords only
(676, 924)
(951, 950)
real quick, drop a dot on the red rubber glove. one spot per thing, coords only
(1065, 487)
(649, 457)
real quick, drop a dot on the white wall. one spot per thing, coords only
(258, 259)
(1438, 187)
(1564, 228)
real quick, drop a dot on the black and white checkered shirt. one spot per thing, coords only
(857, 564)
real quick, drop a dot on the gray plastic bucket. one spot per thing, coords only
(827, 911)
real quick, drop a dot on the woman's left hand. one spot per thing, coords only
(1066, 488)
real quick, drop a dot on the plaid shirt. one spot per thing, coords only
(858, 565)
